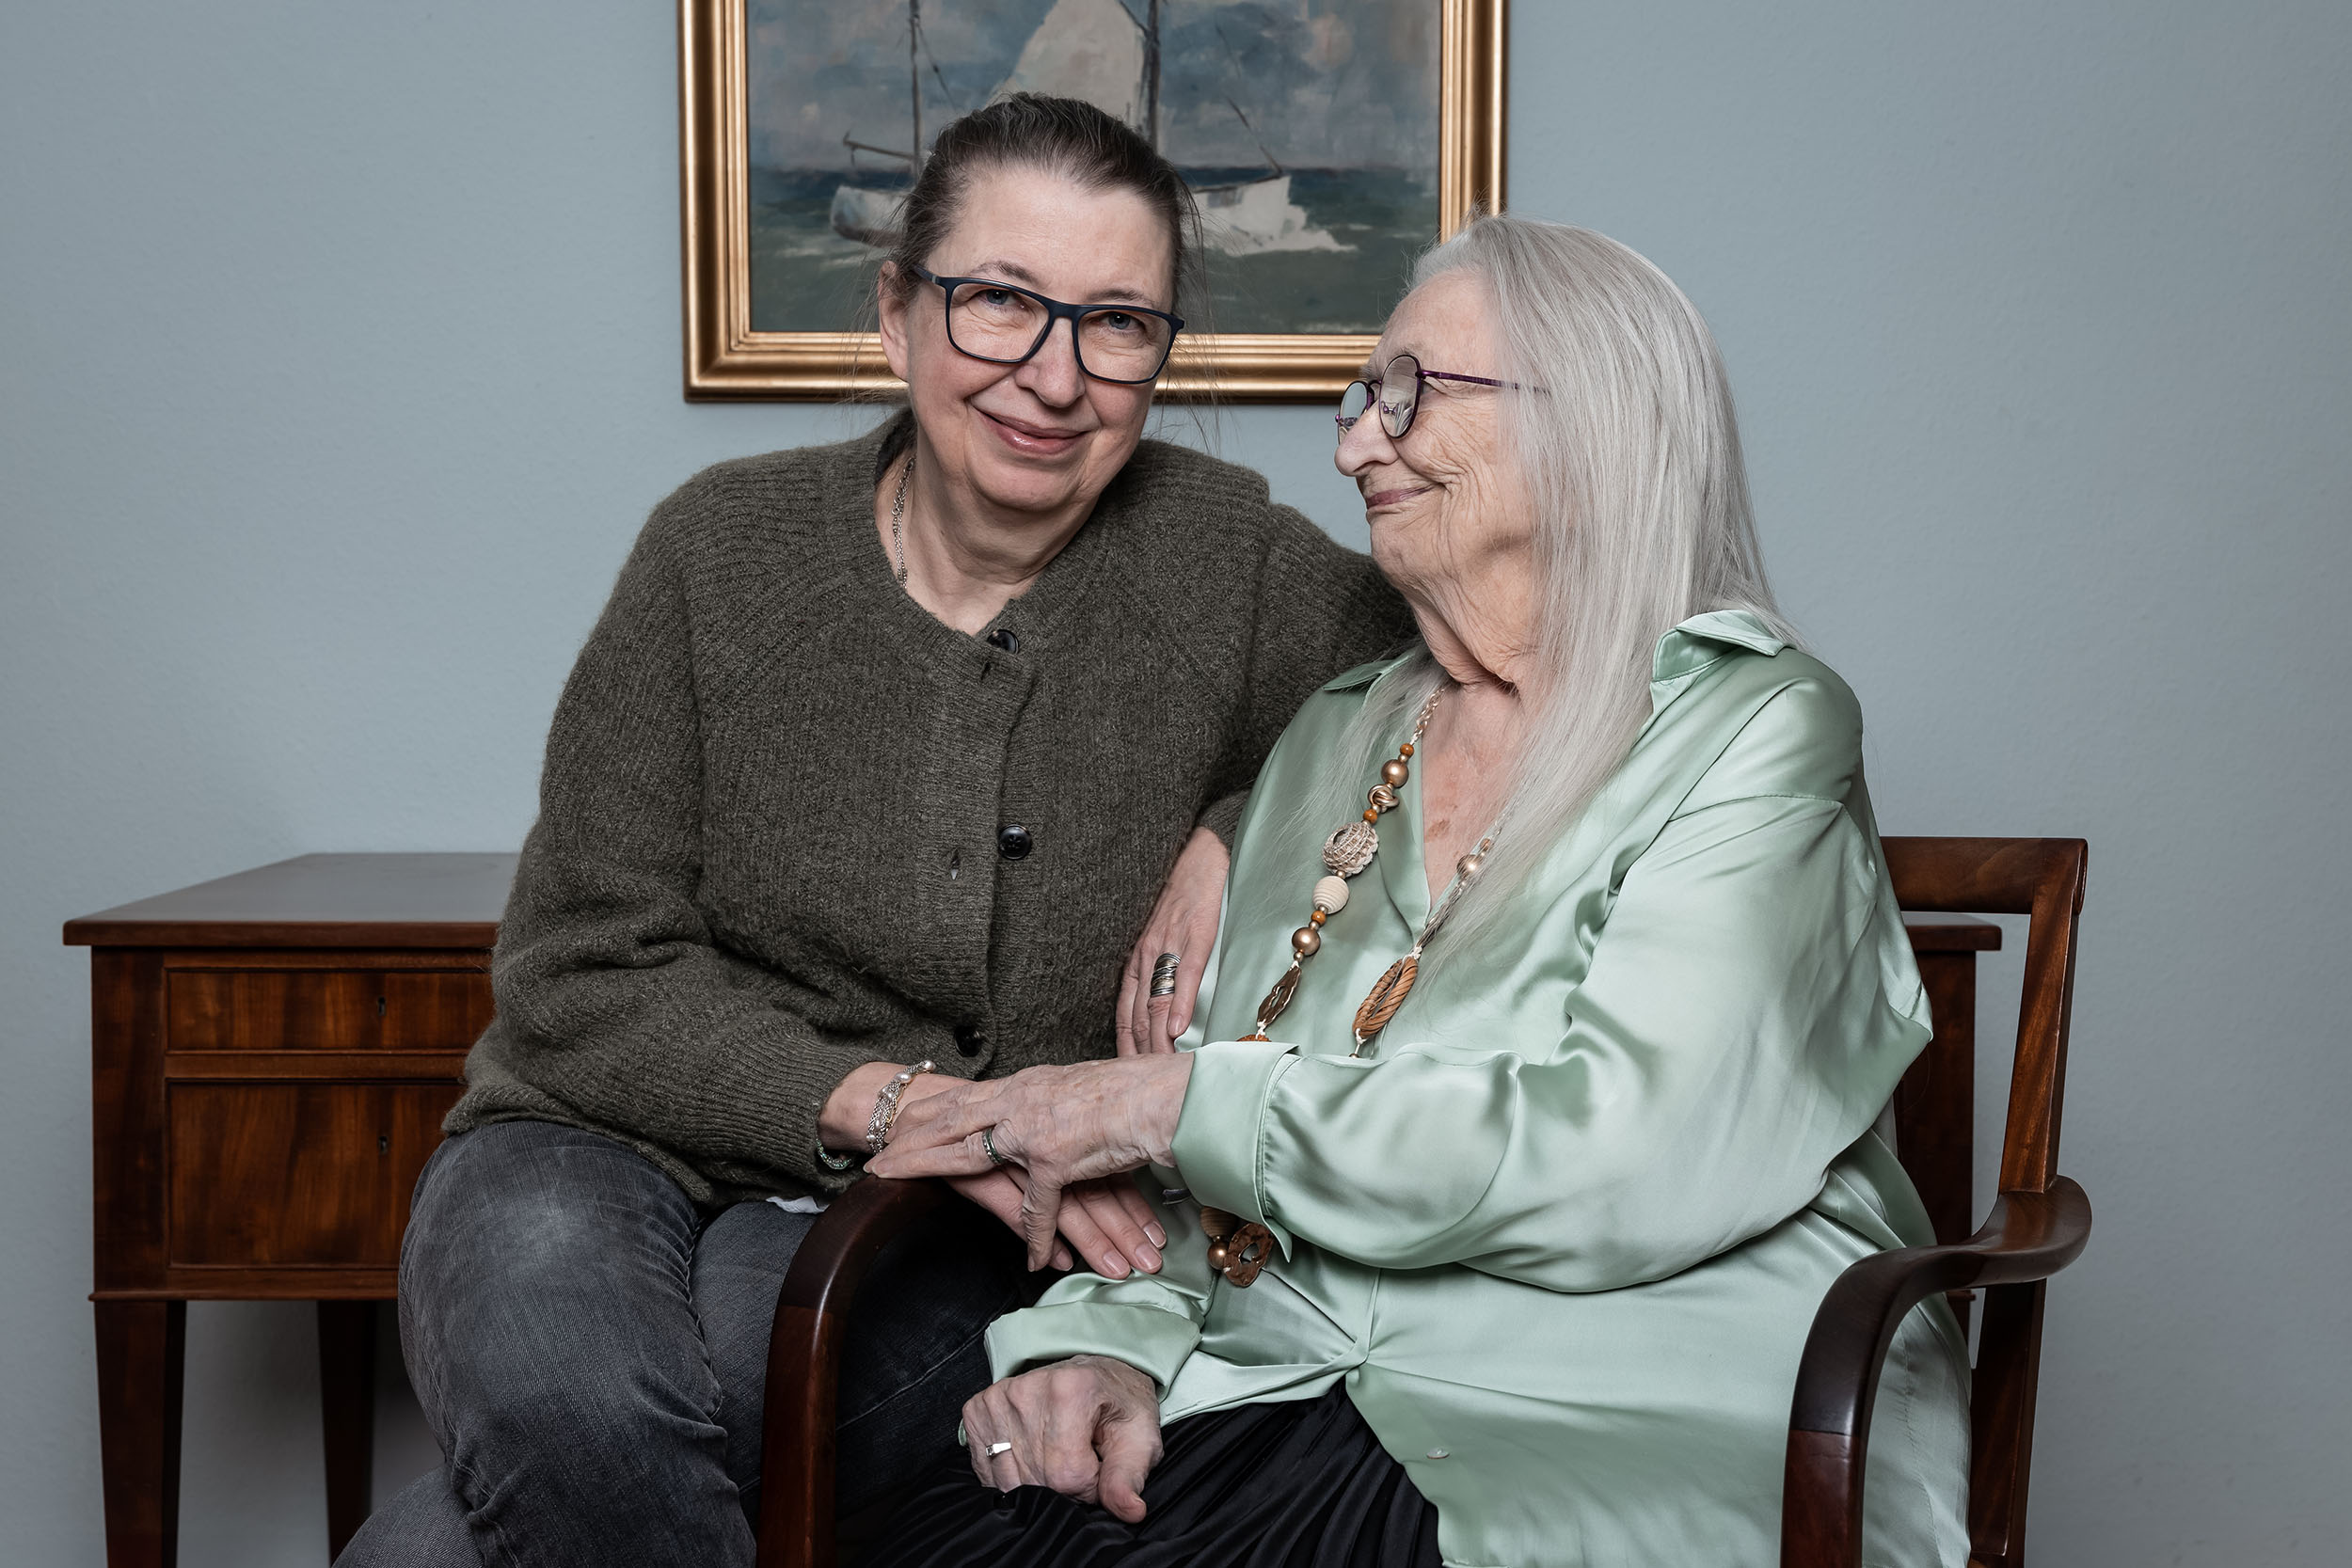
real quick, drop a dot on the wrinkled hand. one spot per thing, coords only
(1087, 1427)
(1108, 1222)
(1183, 922)
(1062, 1125)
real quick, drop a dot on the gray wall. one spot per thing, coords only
(338, 364)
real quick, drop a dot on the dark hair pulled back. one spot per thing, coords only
(1067, 137)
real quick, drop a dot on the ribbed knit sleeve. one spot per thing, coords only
(616, 1003)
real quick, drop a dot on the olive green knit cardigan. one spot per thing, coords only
(790, 824)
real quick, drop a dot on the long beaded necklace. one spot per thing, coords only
(1238, 1250)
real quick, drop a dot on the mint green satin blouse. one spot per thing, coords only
(1564, 1235)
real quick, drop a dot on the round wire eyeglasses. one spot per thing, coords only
(1396, 392)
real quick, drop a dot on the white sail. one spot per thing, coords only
(1089, 49)
(1094, 50)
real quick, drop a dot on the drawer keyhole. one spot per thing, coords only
(383, 1143)
(379, 1007)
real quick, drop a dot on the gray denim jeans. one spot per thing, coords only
(591, 1351)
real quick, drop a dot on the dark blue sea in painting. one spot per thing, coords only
(1339, 271)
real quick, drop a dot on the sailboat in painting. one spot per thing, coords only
(1100, 51)
(870, 213)
(1253, 215)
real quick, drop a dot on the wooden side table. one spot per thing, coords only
(271, 1057)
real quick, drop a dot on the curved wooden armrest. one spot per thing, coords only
(2028, 1237)
(804, 1362)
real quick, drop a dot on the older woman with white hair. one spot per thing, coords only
(1537, 1112)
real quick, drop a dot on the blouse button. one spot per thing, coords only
(1438, 1453)
(1014, 842)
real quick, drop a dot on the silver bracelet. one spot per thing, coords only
(886, 1107)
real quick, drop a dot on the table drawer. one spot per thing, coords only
(326, 1010)
(296, 1174)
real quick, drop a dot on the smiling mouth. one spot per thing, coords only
(1375, 500)
(1024, 436)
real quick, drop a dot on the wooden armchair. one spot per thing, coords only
(2039, 1224)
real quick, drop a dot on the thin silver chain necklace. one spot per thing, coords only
(898, 521)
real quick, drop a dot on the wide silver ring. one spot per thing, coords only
(989, 1144)
(996, 1448)
(1164, 974)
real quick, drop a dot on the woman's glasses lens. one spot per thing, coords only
(1400, 389)
(1352, 405)
(1122, 345)
(992, 322)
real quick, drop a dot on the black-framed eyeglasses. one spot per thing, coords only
(1396, 392)
(1006, 324)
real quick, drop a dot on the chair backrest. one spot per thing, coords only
(2043, 879)
(1935, 1106)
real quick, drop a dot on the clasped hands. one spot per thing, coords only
(1064, 1127)
(1105, 1220)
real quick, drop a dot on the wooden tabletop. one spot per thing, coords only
(395, 900)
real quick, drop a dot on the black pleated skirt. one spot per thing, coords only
(1300, 1484)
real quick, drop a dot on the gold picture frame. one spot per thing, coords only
(725, 358)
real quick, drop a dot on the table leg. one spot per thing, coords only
(141, 1352)
(347, 1413)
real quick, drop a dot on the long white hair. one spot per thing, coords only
(1632, 456)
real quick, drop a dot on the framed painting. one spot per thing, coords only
(1327, 141)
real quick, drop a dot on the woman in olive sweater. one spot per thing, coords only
(919, 751)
